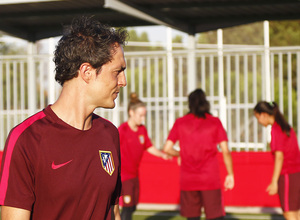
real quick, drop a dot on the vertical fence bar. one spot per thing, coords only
(211, 80)
(157, 136)
(228, 94)
(254, 87)
(125, 99)
(290, 87)
(280, 80)
(22, 90)
(140, 85)
(8, 99)
(149, 125)
(180, 89)
(272, 78)
(298, 94)
(2, 112)
(132, 75)
(15, 93)
(203, 72)
(246, 101)
(165, 105)
(237, 100)
(42, 87)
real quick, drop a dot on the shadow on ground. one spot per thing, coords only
(164, 215)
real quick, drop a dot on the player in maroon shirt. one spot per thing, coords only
(134, 141)
(198, 134)
(64, 162)
(284, 147)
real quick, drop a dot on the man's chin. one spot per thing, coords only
(109, 106)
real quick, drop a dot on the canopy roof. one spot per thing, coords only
(36, 19)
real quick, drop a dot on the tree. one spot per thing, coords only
(177, 39)
(250, 34)
(10, 48)
(143, 37)
(282, 33)
(285, 33)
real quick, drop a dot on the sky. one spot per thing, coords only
(156, 33)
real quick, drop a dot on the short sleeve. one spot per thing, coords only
(17, 174)
(221, 133)
(117, 192)
(174, 135)
(148, 142)
(278, 139)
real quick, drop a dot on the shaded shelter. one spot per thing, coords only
(37, 19)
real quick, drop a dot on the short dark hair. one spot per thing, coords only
(85, 40)
(198, 104)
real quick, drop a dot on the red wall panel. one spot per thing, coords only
(159, 180)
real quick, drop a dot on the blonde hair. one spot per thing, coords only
(135, 102)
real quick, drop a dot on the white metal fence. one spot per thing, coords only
(234, 78)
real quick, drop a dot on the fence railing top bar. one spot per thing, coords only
(145, 53)
(289, 48)
(206, 46)
(7, 57)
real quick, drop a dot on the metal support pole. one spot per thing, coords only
(51, 79)
(222, 99)
(267, 70)
(171, 82)
(191, 67)
(31, 79)
(267, 60)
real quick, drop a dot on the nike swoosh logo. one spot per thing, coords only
(54, 166)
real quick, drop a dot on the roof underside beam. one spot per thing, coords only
(144, 14)
(11, 2)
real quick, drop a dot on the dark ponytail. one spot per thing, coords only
(271, 108)
(198, 104)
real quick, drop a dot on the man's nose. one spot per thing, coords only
(122, 79)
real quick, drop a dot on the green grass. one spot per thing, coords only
(172, 215)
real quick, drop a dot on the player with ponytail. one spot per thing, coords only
(134, 141)
(284, 146)
(199, 133)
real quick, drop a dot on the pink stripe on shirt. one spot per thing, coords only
(9, 150)
(286, 193)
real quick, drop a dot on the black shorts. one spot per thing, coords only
(191, 203)
(130, 192)
(289, 191)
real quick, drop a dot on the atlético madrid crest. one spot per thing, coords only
(107, 161)
(142, 139)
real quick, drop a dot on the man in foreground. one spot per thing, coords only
(64, 162)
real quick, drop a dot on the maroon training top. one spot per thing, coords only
(59, 172)
(198, 139)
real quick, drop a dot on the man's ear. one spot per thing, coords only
(86, 72)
